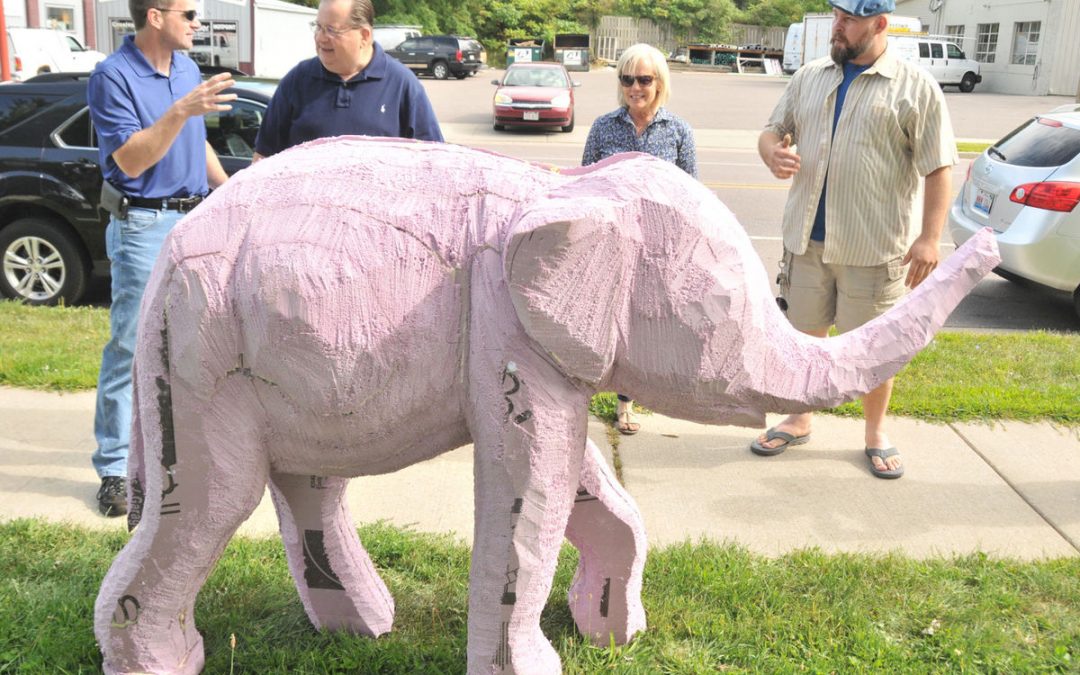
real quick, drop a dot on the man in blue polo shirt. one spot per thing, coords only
(147, 101)
(350, 87)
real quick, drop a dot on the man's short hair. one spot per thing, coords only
(139, 8)
(362, 13)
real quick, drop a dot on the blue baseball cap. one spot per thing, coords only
(864, 7)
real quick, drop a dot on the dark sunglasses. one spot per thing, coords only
(188, 14)
(643, 80)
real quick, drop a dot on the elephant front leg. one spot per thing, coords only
(336, 579)
(529, 435)
(606, 528)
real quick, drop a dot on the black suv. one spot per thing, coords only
(52, 233)
(440, 55)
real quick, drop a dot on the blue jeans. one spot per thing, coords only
(132, 245)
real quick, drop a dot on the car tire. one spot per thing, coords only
(58, 272)
(440, 70)
(569, 127)
(967, 84)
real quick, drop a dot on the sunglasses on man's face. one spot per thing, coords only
(188, 14)
(643, 80)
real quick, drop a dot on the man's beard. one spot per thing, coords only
(841, 55)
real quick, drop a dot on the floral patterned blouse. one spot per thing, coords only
(667, 137)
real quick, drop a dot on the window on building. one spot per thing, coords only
(956, 34)
(60, 18)
(986, 38)
(1026, 42)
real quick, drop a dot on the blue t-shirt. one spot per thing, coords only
(667, 137)
(384, 99)
(126, 94)
(851, 71)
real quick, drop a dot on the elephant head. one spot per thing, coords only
(654, 289)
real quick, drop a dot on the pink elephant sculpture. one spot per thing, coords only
(353, 306)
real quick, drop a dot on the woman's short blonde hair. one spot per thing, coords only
(640, 53)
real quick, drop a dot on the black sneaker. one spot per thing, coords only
(112, 496)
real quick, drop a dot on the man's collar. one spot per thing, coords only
(886, 65)
(140, 65)
(374, 70)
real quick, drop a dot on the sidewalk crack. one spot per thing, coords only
(1015, 489)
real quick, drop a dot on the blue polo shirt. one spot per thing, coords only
(126, 94)
(384, 99)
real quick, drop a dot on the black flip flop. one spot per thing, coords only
(883, 454)
(771, 434)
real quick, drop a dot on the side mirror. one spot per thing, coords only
(495, 82)
(576, 83)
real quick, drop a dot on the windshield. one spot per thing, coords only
(1039, 142)
(534, 77)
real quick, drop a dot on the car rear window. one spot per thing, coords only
(17, 107)
(1039, 142)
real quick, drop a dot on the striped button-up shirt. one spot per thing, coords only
(893, 130)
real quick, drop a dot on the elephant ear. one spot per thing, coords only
(569, 264)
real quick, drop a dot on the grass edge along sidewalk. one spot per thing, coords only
(710, 607)
(960, 376)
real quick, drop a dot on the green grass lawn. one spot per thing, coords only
(961, 376)
(710, 609)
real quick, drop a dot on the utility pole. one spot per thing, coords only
(5, 68)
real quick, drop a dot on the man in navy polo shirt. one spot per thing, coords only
(147, 101)
(351, 87)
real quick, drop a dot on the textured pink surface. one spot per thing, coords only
(353, 306)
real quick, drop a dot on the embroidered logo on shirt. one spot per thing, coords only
(382, 108)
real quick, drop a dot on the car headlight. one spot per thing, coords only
(503, 99)
(561, 101)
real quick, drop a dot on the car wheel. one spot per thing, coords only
(440, 70)
(967, 85)
(42, 263)
(569, 127)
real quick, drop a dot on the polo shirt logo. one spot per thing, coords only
(382, 108)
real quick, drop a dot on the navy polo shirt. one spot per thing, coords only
(126, 94)
(384, 99)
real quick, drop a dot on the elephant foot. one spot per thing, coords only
(529, 654)
(163, 663)
(602, 609)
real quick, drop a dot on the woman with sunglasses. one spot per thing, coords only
(641, 124)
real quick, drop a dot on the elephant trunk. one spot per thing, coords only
(807, 373)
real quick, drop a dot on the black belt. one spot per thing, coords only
(181, 204)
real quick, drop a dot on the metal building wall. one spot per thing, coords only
(1064, 76)
(110, 13)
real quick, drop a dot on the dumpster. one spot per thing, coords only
(572, 50)
(524, 50)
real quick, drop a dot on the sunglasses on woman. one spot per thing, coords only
(188, 14)
(643, 80)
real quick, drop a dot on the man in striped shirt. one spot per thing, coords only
(870, 131)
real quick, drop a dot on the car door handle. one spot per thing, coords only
(80, 165)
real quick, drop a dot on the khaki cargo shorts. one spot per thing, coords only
(820, 295)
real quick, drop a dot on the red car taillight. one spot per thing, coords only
(18, 63)
(1052, 195)
(457, 56)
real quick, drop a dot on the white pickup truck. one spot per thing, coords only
(43, 50)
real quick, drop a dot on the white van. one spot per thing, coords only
(389, 37)
(793, 48)
(945, 61)
(43, 50)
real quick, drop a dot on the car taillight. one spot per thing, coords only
(1052, 195)
(18, 63)
(457, 56)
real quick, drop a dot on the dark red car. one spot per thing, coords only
(534, 95)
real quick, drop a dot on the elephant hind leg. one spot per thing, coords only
(337, 582)
(205, 475)
(606, 528)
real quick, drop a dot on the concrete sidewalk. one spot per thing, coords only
(1008, 489)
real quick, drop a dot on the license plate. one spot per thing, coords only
(532, 115)
(983, 201)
